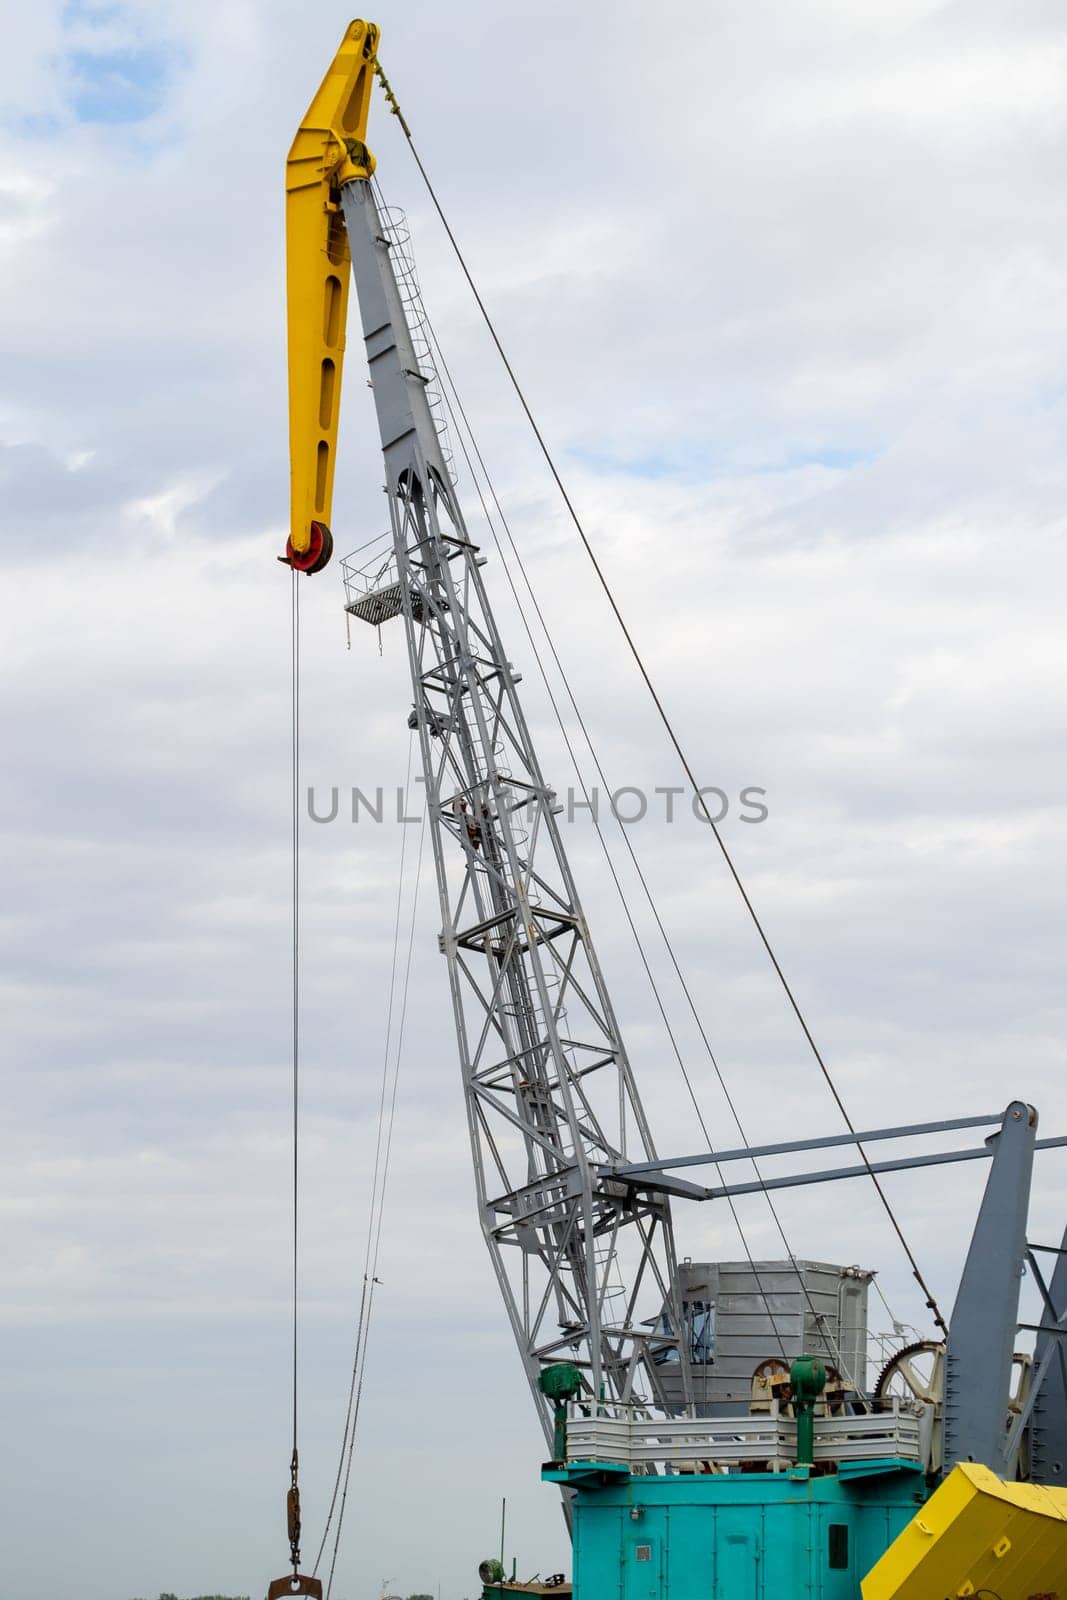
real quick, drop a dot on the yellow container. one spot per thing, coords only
(978, 1536)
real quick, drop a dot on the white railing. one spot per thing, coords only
(627, 1437)
(886, 1433)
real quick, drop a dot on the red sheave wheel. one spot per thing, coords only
(317, 554)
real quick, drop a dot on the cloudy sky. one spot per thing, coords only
(786, 284)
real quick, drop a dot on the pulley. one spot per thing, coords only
(316, 556)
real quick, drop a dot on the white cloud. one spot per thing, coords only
(788, 300)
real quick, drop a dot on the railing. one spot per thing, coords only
(623, 1436)
(395, 227)
(372, 585)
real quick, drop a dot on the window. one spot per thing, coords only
(837, 1542)
(701, 1332)
(700, 1320)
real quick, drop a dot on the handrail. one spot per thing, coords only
(622, 1435)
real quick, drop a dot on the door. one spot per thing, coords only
(642, 1566)
(737, 1555)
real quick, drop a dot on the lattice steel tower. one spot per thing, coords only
(550, 1095)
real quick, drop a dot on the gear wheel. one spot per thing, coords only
(931, 1391)
(925, 1391)
(915, 1376)
(919, 1371)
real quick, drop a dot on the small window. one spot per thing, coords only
(662, 1324)
(700, 1321)
(838, 1545)
(643, 1552)
(701, 1332)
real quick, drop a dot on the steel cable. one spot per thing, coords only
(623, 899)
(405, 991)
(673, 737)
(295, 799)
(817, 1317)
(383, 1149)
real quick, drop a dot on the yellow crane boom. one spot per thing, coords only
(329, 150)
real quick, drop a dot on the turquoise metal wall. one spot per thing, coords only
(737, 1536)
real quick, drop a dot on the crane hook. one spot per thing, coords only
(295, 1582)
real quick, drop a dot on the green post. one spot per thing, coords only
(560, 1383)
(807, 1376)
(503, 1525)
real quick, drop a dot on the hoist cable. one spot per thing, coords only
(817, 1317)
(295, 774)
(661, 1007)
(378, 1144)
(673, 736)
(383, 1149)
(405, 991)
(293, 1496)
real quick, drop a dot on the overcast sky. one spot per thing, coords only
(786, 285)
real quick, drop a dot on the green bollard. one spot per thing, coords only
(560, 1383)
(808, 1378)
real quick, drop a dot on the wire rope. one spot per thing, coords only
(623, 899)
(674, 738)
(383, 1148)
(448, 385)
(295, 889)
(381, 1207)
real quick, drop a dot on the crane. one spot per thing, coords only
(815, 1480)
(550, 1094)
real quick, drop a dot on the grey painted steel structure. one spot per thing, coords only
(1046, 1403)
(984, 1321)
(550, 1096)
(984, 1318)
(747, 1313)
(657, 1173)
(573, 1201)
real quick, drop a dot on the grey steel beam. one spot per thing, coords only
(1048, 1425)
(981, 1340)
(651, 1176)
(748, 1152)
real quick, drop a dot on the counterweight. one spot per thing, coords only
(550, 1096)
